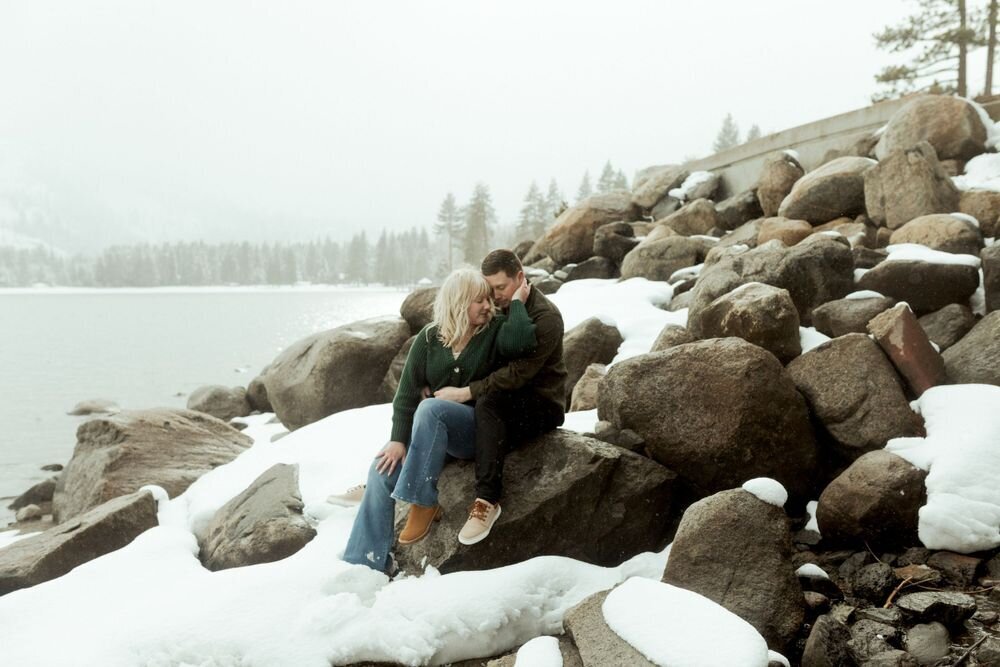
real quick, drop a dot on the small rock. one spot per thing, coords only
(816, 602)
(986, 617)
(843, 612)
(928, 642)
(890, 616)
(870, 638)
(957, 569)
(873, 582)
(94, 406)
(918, 574)
(29, 513)
(827, 643)
(853, 563)
(988, 652)
(946, 607)
(909, 349)
(914, 556)
(52, 467)
(36, 495)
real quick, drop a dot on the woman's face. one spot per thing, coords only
(480, 311)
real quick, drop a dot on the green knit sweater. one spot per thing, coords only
(431, 364)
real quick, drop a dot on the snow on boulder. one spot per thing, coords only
(767, 489)
(597, 643)
(926, 279)
(653, 183)
(944, 232)
(962, 513)
(333, 370)
(727, 412)
(698, 185)
(950, 124)
(736, 550)
(677, 627)
(539, 652)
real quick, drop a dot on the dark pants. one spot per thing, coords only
(504, 421)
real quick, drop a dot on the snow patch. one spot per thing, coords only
(690, 183)
(809, 338)
(966, 217)
(539, 652)
(812, 524)
(981, 173)
(864, 294)
(811, 571)
(769, 490)
(915, 252)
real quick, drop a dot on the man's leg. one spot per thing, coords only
(504, 420)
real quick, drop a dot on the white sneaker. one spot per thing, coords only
(482, 516)
(348, 498)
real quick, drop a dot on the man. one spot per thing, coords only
(517, 402)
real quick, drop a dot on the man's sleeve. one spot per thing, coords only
(516, 374)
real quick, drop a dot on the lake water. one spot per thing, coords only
(142, 348)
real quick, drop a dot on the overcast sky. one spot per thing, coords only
(365, 114)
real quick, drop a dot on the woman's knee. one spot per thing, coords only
(380, 480)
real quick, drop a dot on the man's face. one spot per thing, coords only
(504, 287)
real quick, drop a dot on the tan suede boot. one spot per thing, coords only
(419, 522)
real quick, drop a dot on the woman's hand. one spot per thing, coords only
(457, 394)
(393, 454)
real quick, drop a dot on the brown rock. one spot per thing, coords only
(759, 314)
(571, 238)
(976, 358)
(836, 189)
(859, 231)
(876, 500)
(221, 402)
(941, 232)
(788, 232)
(257, 394)
(698, 217)
(957, 569)
(658, 259)
(926, 286)
(950, 124)
(391, 381)
(990, 258)
(590, 342)
(906, 344)
(946, 327)
(119, 454)
(843, 316)
(418, 308)
(777, 177)
(585, 392)
(597, 643)
(738, 210)
(653, 183)
(728, 413)
(614, 240)
(854, 392)
(907, 184)
(672, 335)
(984, 206)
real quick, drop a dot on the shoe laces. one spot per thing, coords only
(358, 487)
(479, 510)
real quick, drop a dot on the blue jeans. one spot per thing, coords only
(439, 428)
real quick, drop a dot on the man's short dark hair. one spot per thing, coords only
(499, 260)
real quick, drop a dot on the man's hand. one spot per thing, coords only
(393, 454)
(521, 293)
(457, 394)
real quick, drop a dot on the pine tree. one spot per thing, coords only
(479, 218)
(621, 181)
(942, 32)
(531, 223)
(357, 259)
(728, 136)
(754, 133)
(991, 45)
(606, 183)
(554, 203)
(449, 225)
(584, 190)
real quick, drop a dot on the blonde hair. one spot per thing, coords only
(451, 307)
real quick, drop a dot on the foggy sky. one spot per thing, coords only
(294, 118)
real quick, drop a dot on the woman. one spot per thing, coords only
(466, 341)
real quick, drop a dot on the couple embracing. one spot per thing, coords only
(484, 376)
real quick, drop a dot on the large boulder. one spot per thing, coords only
(614, 240)
(590, 342)
(736, 550)
(262, 524)
(418, 308)
(658, 259)
(874, 501)
(990, 258)
(599, 645)
(926, 286)
(53, 553)
(120, 454)
(946, 327)
(950, 124)
(38, 494)
(717, 412)
(600, 268)
(571, 238)
(907, 184)
(759, 314)
(221, 402)
(777, 177)
(849, 315)
(832, 191)
(738, 210)
(984, 206)
(941, 232)
(670, 336)
(855, 394)
(585, 392)
(976, 358)
(698, 217)
(257, 394)
(334, 370)
(564, 495)
(653, 183)
(815, 271)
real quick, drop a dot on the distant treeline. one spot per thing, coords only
(401, 258)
